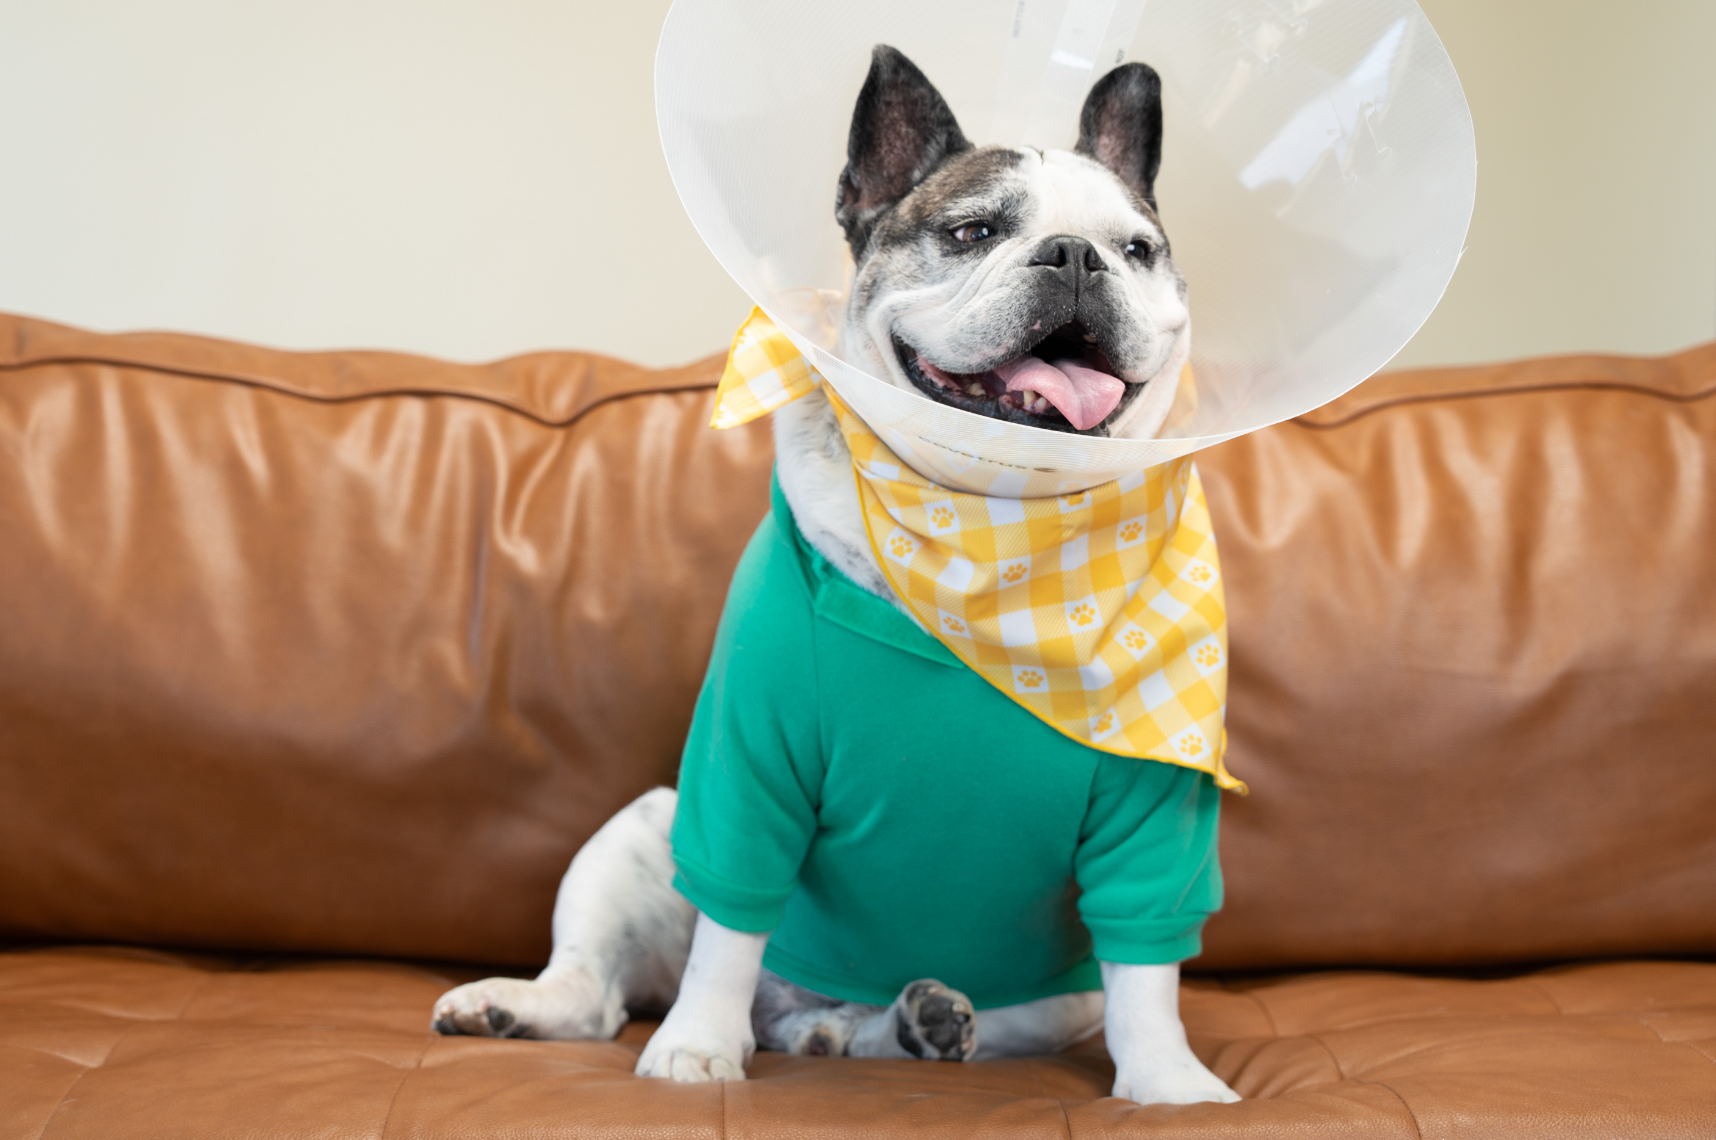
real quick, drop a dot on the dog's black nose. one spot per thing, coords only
(1072, 256)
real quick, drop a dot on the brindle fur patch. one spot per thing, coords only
(968, 307)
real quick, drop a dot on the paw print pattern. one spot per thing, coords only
(1030, 678)
(942, 517)
(1135, 640)
(1105, 723)
(1082, 615)
(953, 624)
(1208, 656)
(1076, 499)
(1013, 573)
(1191, 744)
(1131, 531)
(900, 546)
(1199, 574)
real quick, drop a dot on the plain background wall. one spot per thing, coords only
(478, 178)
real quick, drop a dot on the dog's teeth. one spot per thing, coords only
(1033, 401)
(974, 389)
(1090, 338)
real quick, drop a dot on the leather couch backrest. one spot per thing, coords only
(1473, 685)
(342, 652)
(348, 652)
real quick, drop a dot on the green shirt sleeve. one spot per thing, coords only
(751, 775)
(1147, 864)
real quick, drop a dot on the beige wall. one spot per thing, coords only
(475, 178)
(467, 178)
(1595, 225)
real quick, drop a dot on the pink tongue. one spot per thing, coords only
(1083, 395)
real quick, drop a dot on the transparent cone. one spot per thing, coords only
(1317, 181)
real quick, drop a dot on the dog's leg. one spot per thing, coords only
(1034, 1028)
(621, 935)
(928, 1020)
(707, 1035)
(791, 1019)
(931, 1021)
(1152, 1062)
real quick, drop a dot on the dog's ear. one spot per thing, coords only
(1121, 126)
(901, 130)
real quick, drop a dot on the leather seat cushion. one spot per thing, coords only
(171, 1045)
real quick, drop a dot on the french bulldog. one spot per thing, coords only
(1026, 285)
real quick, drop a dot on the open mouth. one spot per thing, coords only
(1063, 382)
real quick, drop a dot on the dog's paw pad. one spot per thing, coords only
(935, 1022)
(570, 1006)
(484, 1009)
(692, 1064)
(1174, 1088)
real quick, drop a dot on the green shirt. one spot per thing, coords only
(853, 787)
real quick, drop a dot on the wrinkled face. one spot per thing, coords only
(1030, 286)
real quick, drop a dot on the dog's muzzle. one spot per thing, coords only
(1064, 381)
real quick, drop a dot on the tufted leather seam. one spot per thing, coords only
(1410, 1115)
(1689, 1044)
(386, 393)
(1261, 1008)
(404, 1077)
(102, 1011)
(47, 1052)
(1545, 994)
(66, 1096)
(129, 1029)
(1522, 390)
(1657, 1032)
(1334, 1060)
(1042, 1087)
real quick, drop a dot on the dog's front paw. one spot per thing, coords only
(1183, 1082)
(935, 1022)
(569, 1007)
(678, 1056)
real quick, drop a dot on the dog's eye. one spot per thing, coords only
(1139, 250)
(972, 232)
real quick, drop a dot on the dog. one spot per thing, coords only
(1030, 286)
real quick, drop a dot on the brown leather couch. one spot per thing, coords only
(316, 669)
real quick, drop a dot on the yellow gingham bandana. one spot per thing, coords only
(1098, 612)
(764, 370)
